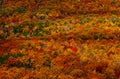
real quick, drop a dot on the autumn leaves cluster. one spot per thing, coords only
(29, 18)
(59, 39)
(60, 59)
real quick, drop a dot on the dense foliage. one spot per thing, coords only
(59, 39)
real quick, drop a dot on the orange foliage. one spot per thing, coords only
(59, 39)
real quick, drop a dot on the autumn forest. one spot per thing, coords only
(59, 39)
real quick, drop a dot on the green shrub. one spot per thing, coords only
(21, 9)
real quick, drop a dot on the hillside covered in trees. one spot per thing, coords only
(59, 39)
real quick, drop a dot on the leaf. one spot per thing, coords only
(74, 49)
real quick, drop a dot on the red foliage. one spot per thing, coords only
(74, 48)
